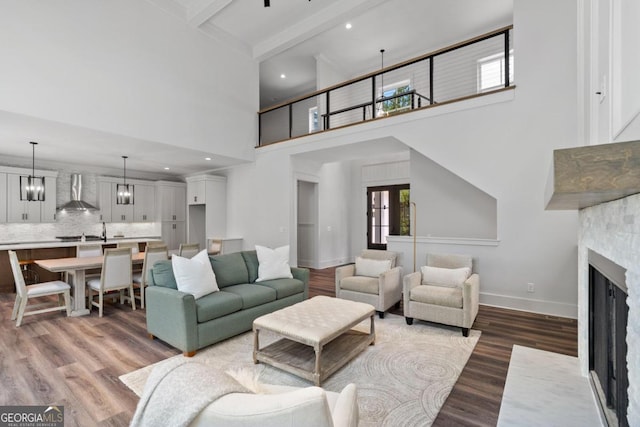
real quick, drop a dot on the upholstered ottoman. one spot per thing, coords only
(317, 336)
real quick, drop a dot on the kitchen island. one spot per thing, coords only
(49, 249)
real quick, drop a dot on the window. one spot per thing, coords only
(395, 104)
(491, 72)
(388, 214)
(313, 120)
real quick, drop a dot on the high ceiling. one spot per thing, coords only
(286, 38)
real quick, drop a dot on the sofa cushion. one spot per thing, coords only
(162, 274)
(451, 277)
(217, 304)
(284, 287)
(230, 269)
(252, 295)
(273, 263)
(372, 267)
(251, 259)
(194, 275)
(362, 284)
(438, 295)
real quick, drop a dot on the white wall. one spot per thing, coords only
(448, 205)
(129, 68)
(501, 144)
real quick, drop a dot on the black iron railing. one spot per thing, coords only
(471, 68)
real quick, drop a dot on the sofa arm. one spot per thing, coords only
(470, 299)
(302, 274)
(345, 412)
(171, 316)
(409, 282)
(342, 272)
(390, 286)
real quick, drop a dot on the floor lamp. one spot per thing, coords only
(415, 228)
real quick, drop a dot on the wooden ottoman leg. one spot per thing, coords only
(256, 345)
(316, 371)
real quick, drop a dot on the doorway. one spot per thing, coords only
(307, 226)
(388, 213)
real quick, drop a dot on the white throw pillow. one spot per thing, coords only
(449, 277)
(194, 276)
(273, 263)
(372, 267)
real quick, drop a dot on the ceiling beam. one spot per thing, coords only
(311, 26)
(203, 10)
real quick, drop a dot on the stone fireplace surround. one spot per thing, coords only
(612, 229)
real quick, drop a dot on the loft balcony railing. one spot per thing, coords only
(474, 67)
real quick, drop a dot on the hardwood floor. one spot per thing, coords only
(76, 362)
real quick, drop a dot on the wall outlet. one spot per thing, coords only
(531, 287)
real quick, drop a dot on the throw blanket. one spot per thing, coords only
(177, 391)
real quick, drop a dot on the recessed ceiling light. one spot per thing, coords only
(207, 158)
(348, 26)
(166, 168)
(283, 76)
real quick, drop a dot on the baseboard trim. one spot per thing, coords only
(531, 305)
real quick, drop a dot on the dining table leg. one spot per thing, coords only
(79, 298)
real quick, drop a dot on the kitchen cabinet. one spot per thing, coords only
(104, 200)
(3, 197)
(30, 212)
(171, 200)
(122, 213)
(144, 208)
(207, 208)
(173, 233)
(197, 192)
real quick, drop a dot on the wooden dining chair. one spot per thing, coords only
(155, 243)
(188, 250)
(151, 256)
(115, 276)
(133, 245)
(25, 292)
(214, 246)
(86, 250)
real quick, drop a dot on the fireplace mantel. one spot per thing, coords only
(587, 176)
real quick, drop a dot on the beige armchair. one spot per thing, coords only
(444, 294)
(374, 279)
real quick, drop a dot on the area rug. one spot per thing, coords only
(402, 380)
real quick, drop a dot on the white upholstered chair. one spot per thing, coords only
(86, 250)
(151, 256)
(155, 243)
(444, 291)
(373, 279)
(115, 276)
(267, 406)
(188, 250)
(133, 245)
(214, 246)
(24, 293)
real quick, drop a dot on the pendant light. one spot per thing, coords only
(124, 191)
(32, 186)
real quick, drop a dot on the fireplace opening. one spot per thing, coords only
(608, 313)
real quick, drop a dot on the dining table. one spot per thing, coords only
(78, 266)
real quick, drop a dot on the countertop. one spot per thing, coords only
(58, 243)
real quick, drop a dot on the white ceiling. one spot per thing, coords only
(285, 38)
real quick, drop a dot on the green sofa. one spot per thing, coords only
(189, 324)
